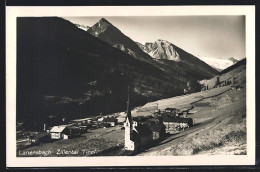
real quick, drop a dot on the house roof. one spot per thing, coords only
(57, 129)
(156, 127)
(170, 109)
(80, 120)
(141, 118)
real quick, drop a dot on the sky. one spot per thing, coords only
(219, 37)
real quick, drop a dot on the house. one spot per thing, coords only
(204, 88)
(143, 135)
(236, 87)
(100, 119)
(82, 121)
(59, 132)
(170, 110)
(183, 113)
(83, 128)
(158, 131)
(157, 113)
(172, 125)
(112, 121)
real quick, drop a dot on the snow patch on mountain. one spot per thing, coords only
(217, 63)
(233, 59)
(82, 27)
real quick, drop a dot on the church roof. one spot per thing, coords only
(143, 130)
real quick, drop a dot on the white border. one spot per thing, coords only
(13, 12)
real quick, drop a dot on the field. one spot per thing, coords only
(179, 102)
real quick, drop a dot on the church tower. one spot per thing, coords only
(129, 144)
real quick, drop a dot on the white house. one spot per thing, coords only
(59, 132)
(100, 119)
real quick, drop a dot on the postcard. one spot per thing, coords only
(130, 86)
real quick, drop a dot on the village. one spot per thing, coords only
(138, 132)
(124, 133)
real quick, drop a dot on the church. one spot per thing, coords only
(137, 136)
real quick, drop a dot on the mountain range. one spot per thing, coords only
(160, 49)
(161, 54)
(72, 71)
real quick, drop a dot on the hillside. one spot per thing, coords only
(219, 128)
(237, 64)
(235, 74)
(219, 118)
(64, 71)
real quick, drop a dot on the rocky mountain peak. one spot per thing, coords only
(101, 26)
(104, 21)
(161, 49)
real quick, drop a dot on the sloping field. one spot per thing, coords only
(180, 102)
(220, 129)
(236, 73)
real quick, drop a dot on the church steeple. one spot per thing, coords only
(128, 111)
(129, 143)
